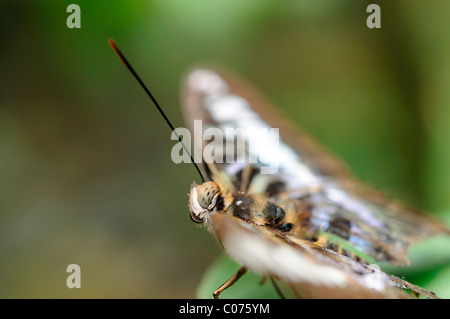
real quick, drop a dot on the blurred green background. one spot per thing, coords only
(85, 169)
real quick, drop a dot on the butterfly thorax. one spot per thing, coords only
(259, 210)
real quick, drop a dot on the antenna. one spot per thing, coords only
(136, 76)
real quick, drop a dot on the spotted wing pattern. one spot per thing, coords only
(304, 176)
(338, 203)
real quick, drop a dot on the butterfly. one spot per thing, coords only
(307, 223)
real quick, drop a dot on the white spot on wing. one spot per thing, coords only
(234, 111)
(266, 256)
(232, 108)
(374, 279)
(207, 81)
(352, 204)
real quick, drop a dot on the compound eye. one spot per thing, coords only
(207, 195)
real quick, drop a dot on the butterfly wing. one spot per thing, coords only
(305, 172)
(311, 272)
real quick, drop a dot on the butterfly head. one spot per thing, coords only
(203, 200)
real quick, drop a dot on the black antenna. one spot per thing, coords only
(130, 68)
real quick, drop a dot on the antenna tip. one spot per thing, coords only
(112, 43)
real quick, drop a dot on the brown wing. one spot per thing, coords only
(338, 202)
(311, 272)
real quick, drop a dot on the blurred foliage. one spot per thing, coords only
(86, 175)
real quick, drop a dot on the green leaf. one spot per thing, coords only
(249, 286)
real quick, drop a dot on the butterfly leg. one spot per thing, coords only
(246, 178)
(229, 282)
(274, 284)
(277, 289)
(263, 280)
